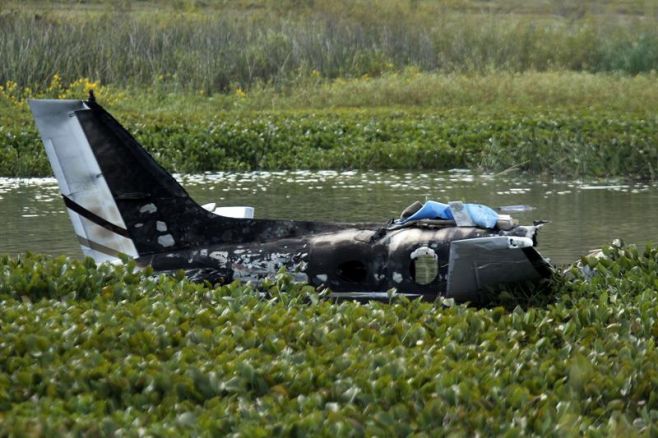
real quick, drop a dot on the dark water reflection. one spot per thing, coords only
(583, 214)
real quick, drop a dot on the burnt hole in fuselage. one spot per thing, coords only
(353, 271)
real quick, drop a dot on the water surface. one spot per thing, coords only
(584, 214)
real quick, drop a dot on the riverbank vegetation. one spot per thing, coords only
(100, 349)
(553, 88)
(560, 124)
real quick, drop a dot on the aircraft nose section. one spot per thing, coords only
(486, 262)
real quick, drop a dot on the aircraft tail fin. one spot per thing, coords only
(117, 196)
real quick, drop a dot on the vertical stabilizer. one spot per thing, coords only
(96, 219)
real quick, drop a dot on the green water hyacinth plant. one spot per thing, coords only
(587, 144)
(99, 349)
(560, 124)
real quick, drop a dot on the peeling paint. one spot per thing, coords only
(322, 277)
(397, 277)
(256, 268)
(220, 256)
(166, 241)
(148, 208)
(403, 237)
(161, 226)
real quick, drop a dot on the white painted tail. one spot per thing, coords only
(94, 214)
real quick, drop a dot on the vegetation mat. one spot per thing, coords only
(565, 125)
(99, 349)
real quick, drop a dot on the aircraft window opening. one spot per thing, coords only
(353, 271)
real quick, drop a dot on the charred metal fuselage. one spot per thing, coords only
(122, 202)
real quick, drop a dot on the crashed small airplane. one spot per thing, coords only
(121, 201)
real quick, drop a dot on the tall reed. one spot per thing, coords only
(220, 50)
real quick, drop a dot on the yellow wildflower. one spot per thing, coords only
(55, 83)
(91, 86)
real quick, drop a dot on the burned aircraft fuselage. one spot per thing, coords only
(351, 259)
(345, 258)
(121, 201)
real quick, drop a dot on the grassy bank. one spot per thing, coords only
(557, 124)
(98, 349)
(215, 46)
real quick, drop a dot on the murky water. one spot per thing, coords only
(583, 214)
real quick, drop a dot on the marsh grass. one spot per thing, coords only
(410, 89)
(220, 48)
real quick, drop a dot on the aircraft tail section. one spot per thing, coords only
(117, 196)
